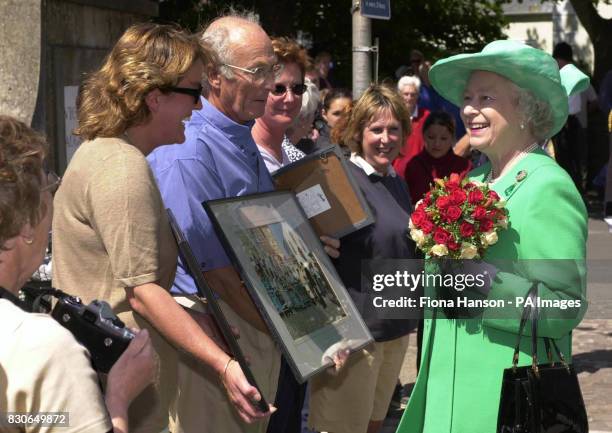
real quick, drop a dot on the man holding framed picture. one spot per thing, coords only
(219, 159)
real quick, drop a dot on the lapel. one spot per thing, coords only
(514, 179)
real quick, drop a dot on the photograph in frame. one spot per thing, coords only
(329, 195)
(290, 278)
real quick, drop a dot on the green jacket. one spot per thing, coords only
(459, 384)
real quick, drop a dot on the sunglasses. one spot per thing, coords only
(296, 89)
(196, 93)
(53, 182)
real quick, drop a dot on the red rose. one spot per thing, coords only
(441, 236)
(427, 227)
(486, 225)
(418, 217)
(452, 245)
(452, 213)
(458, 197)
(427, 199)
(493, 195)
(466, 229)
(479, 213)
(443, 202)
(475, 196)
(469, 186)
(454, 182)
(455, 178)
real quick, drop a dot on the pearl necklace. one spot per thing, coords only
(489, 179)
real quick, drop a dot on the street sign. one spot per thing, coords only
(378, 9)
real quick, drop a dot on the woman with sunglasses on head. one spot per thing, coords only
(111, 235)
(282, 107)
(42, 367)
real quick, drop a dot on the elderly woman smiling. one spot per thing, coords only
(511, 96)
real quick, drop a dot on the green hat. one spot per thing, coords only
(529, 68)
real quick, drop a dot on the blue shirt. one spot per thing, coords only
(218, 159)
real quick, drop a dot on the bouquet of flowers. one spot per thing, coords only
(458, 219)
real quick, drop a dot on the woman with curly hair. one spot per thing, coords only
(111, 236)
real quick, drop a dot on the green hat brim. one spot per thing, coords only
(529, 68)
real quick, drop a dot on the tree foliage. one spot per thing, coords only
(436, 27)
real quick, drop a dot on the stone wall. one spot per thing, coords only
(46, 47)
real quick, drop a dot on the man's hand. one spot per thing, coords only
(241, 393)
(331, 246)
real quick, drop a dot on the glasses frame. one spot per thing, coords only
(289, 88)
(275, 70)
(195, 93)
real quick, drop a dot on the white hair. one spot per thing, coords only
(220, 39)
(537, 113)
(310, 100)
(409, 80)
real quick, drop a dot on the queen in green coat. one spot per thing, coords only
(512, 97)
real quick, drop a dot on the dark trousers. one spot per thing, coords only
(289, 401)
(568, 150)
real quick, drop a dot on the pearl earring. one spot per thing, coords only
(522, 125)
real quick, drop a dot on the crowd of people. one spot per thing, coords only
(254, 104)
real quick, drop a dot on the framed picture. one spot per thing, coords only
(326, 190)
(290, 278)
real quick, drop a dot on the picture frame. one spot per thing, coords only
(290, 278)
(327, 191)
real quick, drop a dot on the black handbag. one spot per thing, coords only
(540, 398)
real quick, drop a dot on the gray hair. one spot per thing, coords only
(220, 39)
(409, 80)
(310, 101)
(537, 113)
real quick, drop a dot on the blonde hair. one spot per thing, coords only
(348, 131)
(148, 56)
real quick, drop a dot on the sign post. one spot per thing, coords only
(362, 12)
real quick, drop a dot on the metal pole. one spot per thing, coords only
(362, 42)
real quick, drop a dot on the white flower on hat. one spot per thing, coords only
(468, 251)
(503, 223)
(439, 250)
(489, 238)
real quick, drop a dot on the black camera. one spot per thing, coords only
(96, 327)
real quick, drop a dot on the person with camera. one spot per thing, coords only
(42, 367)
(111, 235)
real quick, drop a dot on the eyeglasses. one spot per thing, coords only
(53, 182)
(296, 89)
(259, 73)
(196, 93)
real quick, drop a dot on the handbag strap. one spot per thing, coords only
(531, 311)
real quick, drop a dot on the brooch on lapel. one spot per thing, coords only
(521, 175)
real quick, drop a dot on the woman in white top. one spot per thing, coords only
(282, 107)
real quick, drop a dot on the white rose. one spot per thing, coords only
(468, 251)
(411, 226)
(418, 236)
(439, 250)
(489, 238)
(500, 204)
(478, 183)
